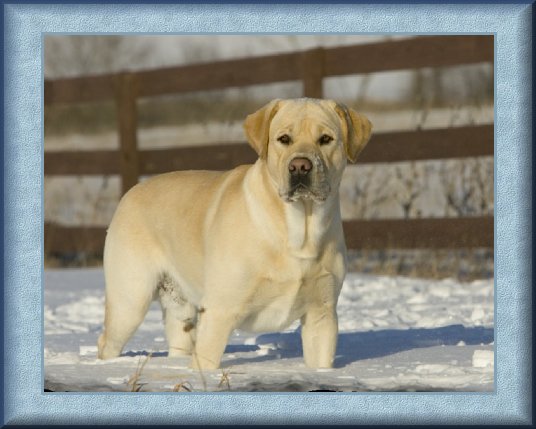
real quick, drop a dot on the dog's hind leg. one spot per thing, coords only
(180, 317)
(130, 290)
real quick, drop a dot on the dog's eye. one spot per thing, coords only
(285, 139)
(325, 139)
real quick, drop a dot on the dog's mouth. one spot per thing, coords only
(304, 194)
(303, 191)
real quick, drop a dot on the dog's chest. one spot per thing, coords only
(281, 296)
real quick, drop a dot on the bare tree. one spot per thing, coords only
(482, 173)
(366, 200)
(412, 187)
(468, 186)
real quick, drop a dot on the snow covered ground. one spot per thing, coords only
(396, 334)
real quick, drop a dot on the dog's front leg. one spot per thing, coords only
(214, 328)
(319, 336)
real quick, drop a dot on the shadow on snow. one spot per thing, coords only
(355, 346)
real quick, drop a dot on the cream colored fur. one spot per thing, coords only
(226, 250)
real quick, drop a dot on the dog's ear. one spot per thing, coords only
(257, 127)
(356, 131)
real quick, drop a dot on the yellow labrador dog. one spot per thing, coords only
(253, 248)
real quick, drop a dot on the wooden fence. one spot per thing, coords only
(311, 67)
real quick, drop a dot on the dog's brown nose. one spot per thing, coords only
(300, 166)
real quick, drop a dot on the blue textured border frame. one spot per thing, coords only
(24, 400)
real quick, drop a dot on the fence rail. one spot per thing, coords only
(460, 142)
(310, 67)
(431, 51)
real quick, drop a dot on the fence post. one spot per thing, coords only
(313, 72)
(126, 86)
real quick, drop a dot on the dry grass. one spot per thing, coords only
(224, 381)
(134, 381)
(183, 386)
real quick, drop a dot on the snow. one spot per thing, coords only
(396, 334)
(483, 358)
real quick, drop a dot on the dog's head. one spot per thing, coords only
(305, 143)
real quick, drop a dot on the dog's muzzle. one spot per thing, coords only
(306, 179)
